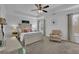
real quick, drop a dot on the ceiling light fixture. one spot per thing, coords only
(40, 11)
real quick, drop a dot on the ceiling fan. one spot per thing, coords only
(41, 8)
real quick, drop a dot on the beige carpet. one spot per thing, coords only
(47, 47)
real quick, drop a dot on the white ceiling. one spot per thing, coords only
(26, 9)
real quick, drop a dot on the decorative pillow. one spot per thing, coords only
(27, 30)
(24, 30)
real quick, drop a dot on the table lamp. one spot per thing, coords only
(2, 22)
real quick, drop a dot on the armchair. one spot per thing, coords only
(56, 36)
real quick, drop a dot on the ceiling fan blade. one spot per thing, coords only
(44, 11)
(46, 6)
(39, 5)
(36, 5)
(34, 9)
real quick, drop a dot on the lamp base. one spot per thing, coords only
(0, 43)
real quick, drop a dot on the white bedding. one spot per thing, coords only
(31, 37)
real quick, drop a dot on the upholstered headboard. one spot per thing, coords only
(25, 27)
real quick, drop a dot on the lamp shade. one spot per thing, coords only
(2, 21)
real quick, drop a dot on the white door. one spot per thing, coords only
(74, 28)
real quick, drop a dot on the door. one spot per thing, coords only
(74, 28)
(41, 26)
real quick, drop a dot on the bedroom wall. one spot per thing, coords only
(13, 19)
(60, 23)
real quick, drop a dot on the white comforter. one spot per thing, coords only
(31, 37)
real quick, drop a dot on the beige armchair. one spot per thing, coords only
(56, 36)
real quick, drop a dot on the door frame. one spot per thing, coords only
(70, 27)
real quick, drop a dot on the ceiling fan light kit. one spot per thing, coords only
(40, 11)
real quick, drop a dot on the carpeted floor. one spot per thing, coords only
(47, 47)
